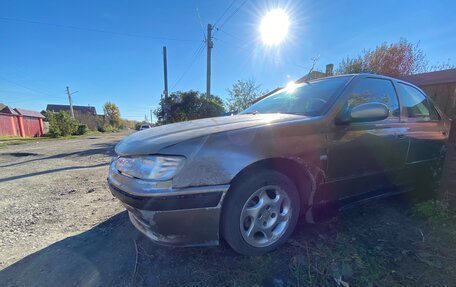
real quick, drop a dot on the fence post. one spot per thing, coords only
(21, 126)
(13, 125)
(41, 127)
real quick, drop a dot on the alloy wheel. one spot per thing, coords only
(265, 216)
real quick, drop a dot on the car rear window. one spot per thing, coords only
(416, 105)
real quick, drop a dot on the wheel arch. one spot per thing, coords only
(298, 172)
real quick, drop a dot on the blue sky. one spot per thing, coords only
(112, 50)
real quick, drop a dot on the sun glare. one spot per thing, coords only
(274, 27)
(291, 87)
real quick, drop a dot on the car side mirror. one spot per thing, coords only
(369, 112)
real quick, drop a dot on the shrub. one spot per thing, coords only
(138, 126)
(82, 129)
(61, 124)
(101, 129)
(110, 129)
(107, 129)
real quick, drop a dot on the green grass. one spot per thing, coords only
(387, 243)
(433, 210)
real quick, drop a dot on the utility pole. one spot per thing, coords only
(210, 45)
(165, 92)
(165, 72)
(69, 99)
(150, 116)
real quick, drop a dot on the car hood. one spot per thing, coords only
(152, 140)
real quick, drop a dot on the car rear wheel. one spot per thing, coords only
(260, 212)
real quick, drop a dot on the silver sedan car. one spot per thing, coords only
(300, 152)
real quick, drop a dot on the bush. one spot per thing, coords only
(82, 129)
(138, 126)
(107, 129)
(61, 124)
(110, 129)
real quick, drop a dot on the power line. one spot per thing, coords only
(229, 34)
(200, 22)
(28, 88)
(233, 13)
(231, 44)
(96, 30)
(195, 56)
(224, 12)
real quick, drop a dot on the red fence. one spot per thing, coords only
(17, 125)
(32, 127)
(9, 125)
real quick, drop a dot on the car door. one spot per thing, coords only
(363, 157)
(426, 129)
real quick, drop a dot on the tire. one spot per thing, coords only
(260, 212)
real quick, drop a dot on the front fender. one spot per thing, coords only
(217, 158)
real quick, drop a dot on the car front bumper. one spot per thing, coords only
(170, 216)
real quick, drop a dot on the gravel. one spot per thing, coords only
(52, 189)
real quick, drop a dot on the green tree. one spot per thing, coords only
(242, 95)
(112, 115)
(61, 124)
(210, 106)
(190, 105)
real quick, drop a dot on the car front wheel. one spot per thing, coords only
(260, 212)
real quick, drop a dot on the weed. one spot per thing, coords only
(433, 210)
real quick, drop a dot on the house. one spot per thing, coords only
(87, 110)
(83, 114)
(313, 75)
(20, 122)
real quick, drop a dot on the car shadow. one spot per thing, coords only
(106, 149)
(101, 256)
(114, 253)
(5, 179)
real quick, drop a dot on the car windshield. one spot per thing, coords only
(309, 99)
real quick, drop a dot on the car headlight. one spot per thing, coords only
(150, 167)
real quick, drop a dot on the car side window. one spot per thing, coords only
(374, 90)
(416, 105)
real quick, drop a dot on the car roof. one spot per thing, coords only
(367, 75)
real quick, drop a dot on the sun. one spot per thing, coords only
(274, 27)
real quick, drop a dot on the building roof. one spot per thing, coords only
(311, 76)
(2, 106)
(81, 109)
(28, 113)
(8, 110)
(431, 78)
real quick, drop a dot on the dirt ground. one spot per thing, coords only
(60, 226)
(51, 190)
